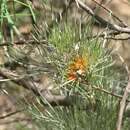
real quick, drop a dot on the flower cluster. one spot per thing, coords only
(77, 67)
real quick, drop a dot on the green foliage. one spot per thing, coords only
(103, 117)
(63, 39)
(95, 110)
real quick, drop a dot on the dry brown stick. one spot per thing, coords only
(104, 90)
(15, 121)
(108, 92)
(6, 43)
(21, 42)
(101, 20)
(27, 83)
(46, 43)
(124, 98)
(109, 11)
(114, 38)
(11, 114)
(110, 35)
(122, 106)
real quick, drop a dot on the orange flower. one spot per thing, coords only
(79, 66)
(72, 76)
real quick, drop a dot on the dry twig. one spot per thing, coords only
(122, 106)
(112, 14)
(29, 84)
(11, 114)
(101, 20)
(124, 98)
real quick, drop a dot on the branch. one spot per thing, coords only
(16, 120)
(112, 14)
(108, 92)
(21, 42)
(122, 105)
(10, 114)
(124, 98)
(101, 20)
(119, 38)
(27, 83)
(54, 100)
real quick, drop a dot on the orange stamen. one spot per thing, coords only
(78, 66)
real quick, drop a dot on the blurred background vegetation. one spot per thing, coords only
(43, 39)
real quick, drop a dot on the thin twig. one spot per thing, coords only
(11, 114)
(124, 98)
(110, 35)
(120, 38)
(122, 106)
(108, 92)
(16, 120)
(28, 83)
(109, 11)
(101, 20)
(104, 90)
(21, 42)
